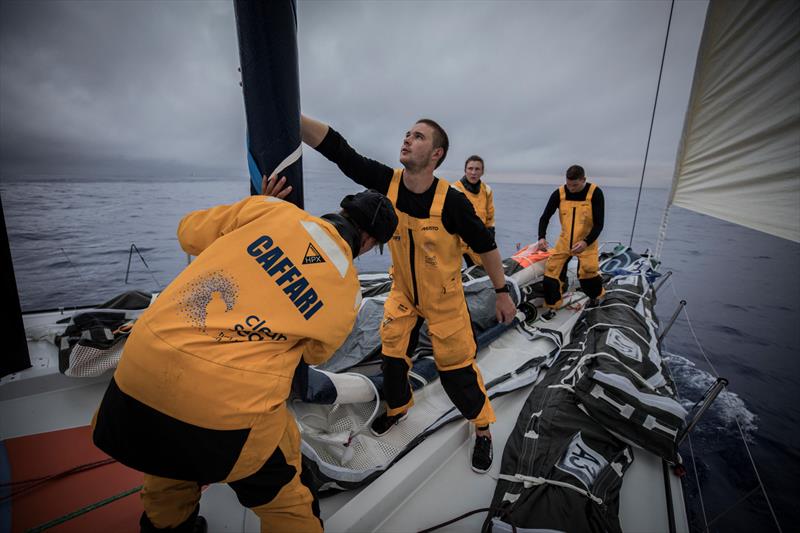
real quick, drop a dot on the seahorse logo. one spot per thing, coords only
(197, 296)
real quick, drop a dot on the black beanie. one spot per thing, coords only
(372, 212)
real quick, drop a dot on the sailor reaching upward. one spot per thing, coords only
(426, 269)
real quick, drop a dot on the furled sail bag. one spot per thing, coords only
(561, 470)
(621, 383)
(572, 442)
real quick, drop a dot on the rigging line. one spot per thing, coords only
(735, 419)
(691, 454)
(33, 484)
(127, 272)
(758, 476)
(72, 264)
(652, 120)
(73, 470)
(732, 507)
(697, 482)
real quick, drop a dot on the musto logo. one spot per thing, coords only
(254, 330)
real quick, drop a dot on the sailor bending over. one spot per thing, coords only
(580, 209)
(481, 197)
(426, 270)
(200, 392)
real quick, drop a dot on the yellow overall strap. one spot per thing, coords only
(589, 194)
(438, 199)
(394, 186)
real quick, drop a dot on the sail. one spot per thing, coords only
(16, 355)
(267, 34)
(739, 154)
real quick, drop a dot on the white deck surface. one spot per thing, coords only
(430, 485)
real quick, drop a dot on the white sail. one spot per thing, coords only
(739, 155)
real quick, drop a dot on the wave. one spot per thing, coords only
(728, 408)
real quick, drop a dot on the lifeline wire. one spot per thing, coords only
(652, 119)
(732, 507)
(735, 418)
(72, 264)
(691, 454)
(689, 440)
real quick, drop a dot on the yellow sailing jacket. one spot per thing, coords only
(219, 347)
(576, 220)
(426, 259)
(483, 203)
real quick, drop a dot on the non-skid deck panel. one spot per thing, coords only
(53, 452)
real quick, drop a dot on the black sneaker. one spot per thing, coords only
(482, 454)
(549, 314)
(381, 425)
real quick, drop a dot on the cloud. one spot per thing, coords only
(151, 88)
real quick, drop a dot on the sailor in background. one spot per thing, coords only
(200, 392)
(426, 271)
(481, 197)
(581, 210)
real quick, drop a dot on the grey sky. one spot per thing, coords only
(151, 88)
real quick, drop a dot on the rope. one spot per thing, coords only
(25, 486)
(83, 510)
(740, 500)
(533, 481)
(697, 482)
(652, 120)
(470, 513)
(735, 418)
(72, 264)
(28, 485)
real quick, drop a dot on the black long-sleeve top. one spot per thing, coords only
(458, 215)
(598, 211)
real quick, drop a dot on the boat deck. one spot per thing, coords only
(432, 484)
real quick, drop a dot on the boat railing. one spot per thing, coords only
(128, 270)
(671, 321)
(700, 407)
(664, 278)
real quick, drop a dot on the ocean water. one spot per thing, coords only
(71, 240)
